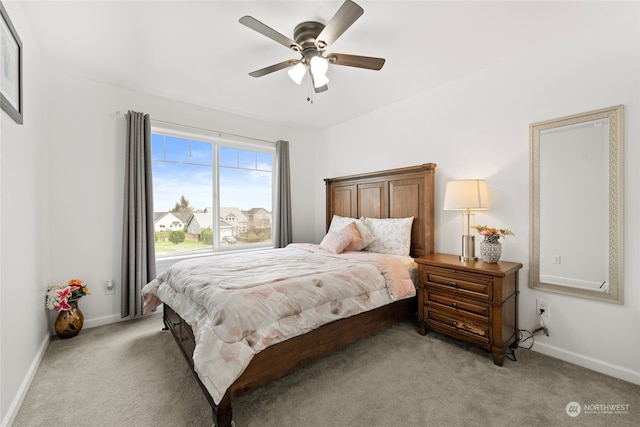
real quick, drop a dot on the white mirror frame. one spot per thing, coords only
(615, 291)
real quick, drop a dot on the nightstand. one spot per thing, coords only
(472, 301)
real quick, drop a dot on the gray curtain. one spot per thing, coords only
(138, 250)
(282, 234)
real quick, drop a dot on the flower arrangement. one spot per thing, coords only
(61, 294)
(491, 234)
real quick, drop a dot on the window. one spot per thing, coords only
(219, 191)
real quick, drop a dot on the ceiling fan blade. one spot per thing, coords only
(348, 13)
(276, 67)
(265, 30)
(367, 62)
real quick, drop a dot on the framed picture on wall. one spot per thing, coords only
(10, 68)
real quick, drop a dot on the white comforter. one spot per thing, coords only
(239, 304)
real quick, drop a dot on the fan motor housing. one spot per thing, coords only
(305, 34)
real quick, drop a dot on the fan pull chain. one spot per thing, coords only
(310, 90)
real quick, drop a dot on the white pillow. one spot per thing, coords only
(392, 235)
(339, 222)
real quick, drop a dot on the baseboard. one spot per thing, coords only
(98, 321)
(101, 321)
(26, 383)
(589, 363)
(107, 320)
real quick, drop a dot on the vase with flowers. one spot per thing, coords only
(63, 298)
(490, 247)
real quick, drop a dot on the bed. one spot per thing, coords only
(397, 195)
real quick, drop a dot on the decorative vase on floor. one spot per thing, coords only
(490, 251)
(69, 322)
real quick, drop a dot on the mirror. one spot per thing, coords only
(576, 205)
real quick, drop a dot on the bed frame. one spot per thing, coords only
(395, 193)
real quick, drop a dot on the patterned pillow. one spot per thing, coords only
(339, 222)
(392, 235)
(335, 242)
(355, 238)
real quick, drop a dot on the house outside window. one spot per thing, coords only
(206, 191)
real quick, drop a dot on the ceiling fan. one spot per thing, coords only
(310, 39)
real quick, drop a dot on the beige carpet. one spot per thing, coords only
(132, 374)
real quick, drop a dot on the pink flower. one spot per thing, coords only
(64, 293)
(59, 295)
(492, 234)
(62, 305)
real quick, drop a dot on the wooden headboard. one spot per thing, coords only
(394, 193)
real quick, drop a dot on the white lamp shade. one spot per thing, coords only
(466, 194)
(319, 65)
(320, 80)
(297, 72)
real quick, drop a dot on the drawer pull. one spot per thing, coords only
(453, 284)
(454, 324)
(176, 324)
(182, 339)
(454, 304)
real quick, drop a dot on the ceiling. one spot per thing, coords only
(197, 52)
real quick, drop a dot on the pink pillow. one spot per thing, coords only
(335, 242)
(355, 238)
(365, 233)
(339, 222)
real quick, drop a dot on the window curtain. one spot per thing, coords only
(282, 234)
(138, 250)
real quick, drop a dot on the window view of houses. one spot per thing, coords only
(186, 175)
(180, 232)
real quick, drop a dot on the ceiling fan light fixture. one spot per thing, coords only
(319, 65)
(297, 73)
(320, 80)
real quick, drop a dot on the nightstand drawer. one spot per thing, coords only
(454, 302)
(467, 330)
(470, 284)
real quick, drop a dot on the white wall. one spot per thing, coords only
(23, 228)
(87, 179)
(477, 127)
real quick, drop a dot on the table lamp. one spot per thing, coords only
(467, 195)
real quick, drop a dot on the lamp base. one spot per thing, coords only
(468, 248)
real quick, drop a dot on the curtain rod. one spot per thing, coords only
(220, 134)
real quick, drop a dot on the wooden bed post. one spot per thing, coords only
(222, 413)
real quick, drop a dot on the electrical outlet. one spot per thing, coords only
(109, 287)
(542, 304)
